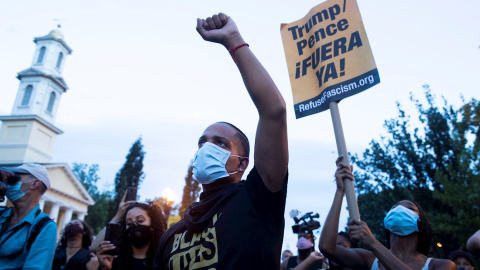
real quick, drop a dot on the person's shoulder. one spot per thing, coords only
(174, 229)
(254, 174)
(442, 264)
(46, 220)
(44, 225)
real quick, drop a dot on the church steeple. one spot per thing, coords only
(42, 85)
(28, 134)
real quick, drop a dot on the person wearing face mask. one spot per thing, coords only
(408, 236)
(236, 224)
(143, 224)
(27, 235)
(73, 251)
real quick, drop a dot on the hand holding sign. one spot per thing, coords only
(329, 58)
(343, 172)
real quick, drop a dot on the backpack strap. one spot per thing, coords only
(7, 223)
(37, 228)
(3, 209)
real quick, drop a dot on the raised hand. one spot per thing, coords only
(317, 256)
(359, 231)
(219, 29)
(122, 207)
(343, 172)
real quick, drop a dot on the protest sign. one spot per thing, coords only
(328, 56)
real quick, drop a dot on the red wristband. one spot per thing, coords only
(234, 50)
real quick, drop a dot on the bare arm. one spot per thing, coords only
(359, 231)
(271, 147)
(328, 239)
(443, 264)
(473, 243)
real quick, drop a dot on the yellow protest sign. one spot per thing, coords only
(172, 220)
(328, 56)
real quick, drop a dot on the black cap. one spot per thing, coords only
(460, 253)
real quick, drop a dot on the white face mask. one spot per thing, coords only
(209, 163)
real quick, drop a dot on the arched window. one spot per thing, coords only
(27, 95)
(51, 102)
(41, 55)
(59, 61)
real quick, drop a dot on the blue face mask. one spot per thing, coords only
(209, 163)
(401, 221)
(13, 191)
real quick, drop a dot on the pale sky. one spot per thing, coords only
(139, 68)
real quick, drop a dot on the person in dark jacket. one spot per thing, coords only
(73, 251)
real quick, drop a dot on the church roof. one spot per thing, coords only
(57, 36)
(32, 72)
(64, 166)
(56, 33)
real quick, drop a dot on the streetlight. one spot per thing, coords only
(168, 197)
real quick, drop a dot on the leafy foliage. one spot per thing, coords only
(435, 162)
(168, 207)
(191, 191)
(97, 213)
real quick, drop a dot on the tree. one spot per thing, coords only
(191, 191)
(168, 208)
(97, 213)
(87, 176)
(130, 175)
(436, 164)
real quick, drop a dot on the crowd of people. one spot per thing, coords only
(236, 224)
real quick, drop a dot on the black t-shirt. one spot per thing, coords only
(140, 264)
(77, 262)
(246, 232)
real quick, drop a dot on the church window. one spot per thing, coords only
(27, 95)
(41, 55)
(51, 102)
(59, 61)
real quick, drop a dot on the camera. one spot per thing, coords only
(306, 223)
(7, 177)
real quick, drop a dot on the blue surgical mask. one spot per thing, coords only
(401, 221)
(209, 163)
(13, 191)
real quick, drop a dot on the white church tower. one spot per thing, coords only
(29, 133)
